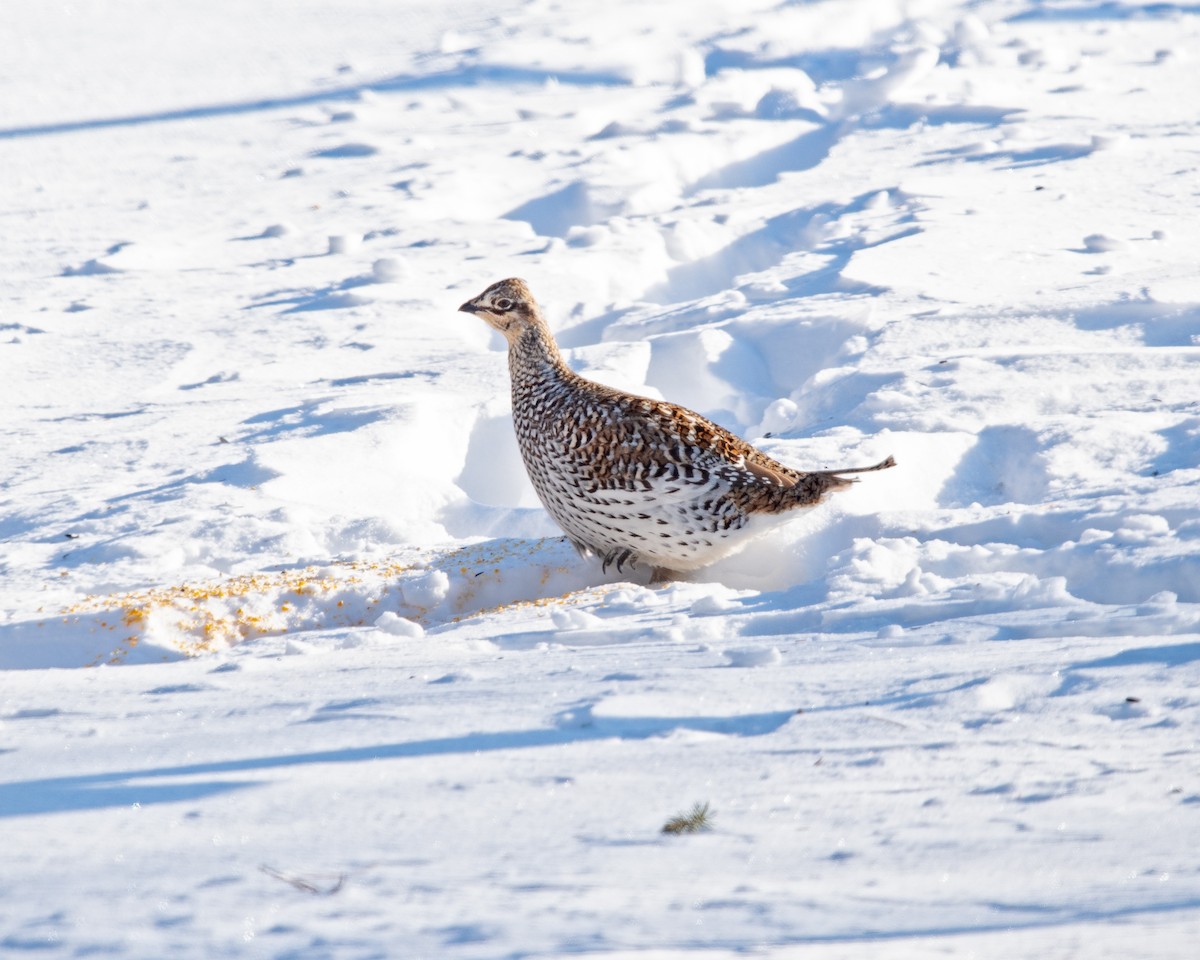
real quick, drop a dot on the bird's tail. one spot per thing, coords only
(881, 465)
(815, 485)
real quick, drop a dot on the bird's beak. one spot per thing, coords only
(468, 307)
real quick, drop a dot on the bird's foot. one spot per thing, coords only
(620, 558)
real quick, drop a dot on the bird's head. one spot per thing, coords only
(508, 306)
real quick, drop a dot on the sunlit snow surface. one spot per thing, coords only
(369, 704)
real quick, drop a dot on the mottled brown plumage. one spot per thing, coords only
(629, 479)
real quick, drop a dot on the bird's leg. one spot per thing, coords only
(661, 576)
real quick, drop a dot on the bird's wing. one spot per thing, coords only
(657, 448)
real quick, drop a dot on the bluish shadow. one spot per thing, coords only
(765, 247)
(1107, 10)
(869, 940)
(823, 66)
(307, 419)
(70, 795)
(386, 375)
(1173, 655)
(802, 153)
(463, 76)
(554, 214)
(1162, 324)
(1016, 159)
(122, 788)
(335, 296)
(1183, 448)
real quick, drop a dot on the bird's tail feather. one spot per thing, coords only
(881, 465)
(813, 486)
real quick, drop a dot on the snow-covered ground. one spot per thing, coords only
(295, 666)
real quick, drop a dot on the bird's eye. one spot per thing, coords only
(504, 304)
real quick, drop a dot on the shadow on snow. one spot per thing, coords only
(463, 76)
(124, 788)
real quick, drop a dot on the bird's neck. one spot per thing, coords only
(534, 360)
